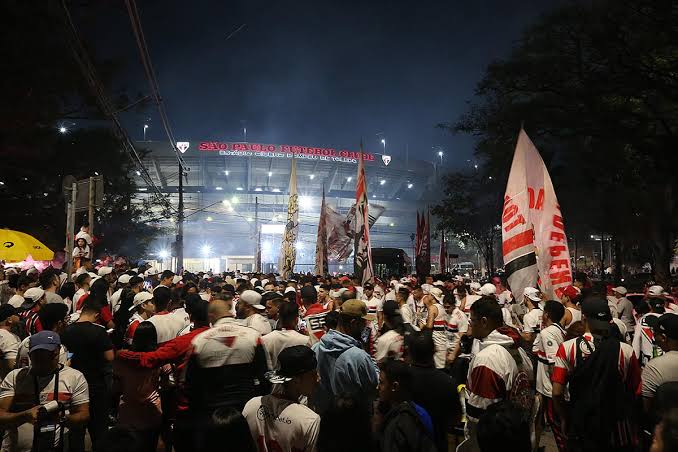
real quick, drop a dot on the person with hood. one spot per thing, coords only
(347, 372)
(493, 370)
(406, 426)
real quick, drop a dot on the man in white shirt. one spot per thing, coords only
(22, 285)
(374, 304)
(545, 348)
(286, 336)
(664, 368)
(624, 307)
(532, 319)
(277, 421)
(167, 324)
(9, 342)
(246, 309)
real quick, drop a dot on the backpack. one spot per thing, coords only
(599, 399)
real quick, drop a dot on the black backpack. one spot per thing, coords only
(599, 398)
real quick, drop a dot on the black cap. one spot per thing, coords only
(308, 292)
(390, 308)
(7, 311)
(665, 324)
(596, 309)
(294, 361)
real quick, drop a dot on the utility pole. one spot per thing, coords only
(257, 232)
(70, 232)
(180, 222)
(90, 212)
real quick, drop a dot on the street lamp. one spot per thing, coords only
(145, 127)
(63, 129)
(440, 154)
(383, 141)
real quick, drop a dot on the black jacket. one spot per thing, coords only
(404, 431)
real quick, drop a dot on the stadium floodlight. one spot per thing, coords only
(305, 202)
(163, 254)
(206, 250)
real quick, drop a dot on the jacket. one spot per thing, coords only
(345, 370)
(407, 428)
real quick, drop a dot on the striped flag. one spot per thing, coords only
(340, 235)
(288, 250)
(362, 252)
(321, 263)
(534, 244)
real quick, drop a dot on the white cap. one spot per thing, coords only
(620, 290)
(103, 271)
(140, 298)
(264, 282)
(475, 287)
(135, 270)
(34, 293)
(151, 271)
(655, 291)
(252, 298)
(439, 283)
(32, 270)
(124, 278)
(531, 293)
(116, 297)
(436, 293)
(10, 271)
(488, 289)
(290, 289)
(80, 271)
(92, 275)
(426, 287)
(177, 279)
(253, 280)
(459, 278)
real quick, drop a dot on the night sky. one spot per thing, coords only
(311, 72)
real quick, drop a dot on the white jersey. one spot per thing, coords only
(259, 323)
(545, 347)
(374, 305)
(389, 346)
(9, 346)
(168, 325)
(279, 424)
(643, 340)
(470, 299)
(279, 340)
(440, 336)
(532, 321)
(457, 325)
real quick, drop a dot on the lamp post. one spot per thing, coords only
(145, 127)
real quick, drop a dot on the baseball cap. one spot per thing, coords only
(596, 309)
(34, 293)
(11, 271)
(620, 290)
(488, 289)
(140, 298)
(124, 278)
(665, 324)
(294, 361)
(252, 298)
(571, 292)
(356, 308)
(308, 292)
(7, 311)
(655, 291)
(368, 286)
(474, 286)
(531, 293)
(44, 340)
(439, 283)
(103, 271)
(436, 293)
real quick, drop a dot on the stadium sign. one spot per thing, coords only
(282, 151)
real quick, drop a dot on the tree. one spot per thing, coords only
(596, 87)
(471, 211)
(44, 90)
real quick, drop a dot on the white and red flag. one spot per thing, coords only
(362, 253)
(534, 243)
(321, 262)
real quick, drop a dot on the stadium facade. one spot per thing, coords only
(229, 185)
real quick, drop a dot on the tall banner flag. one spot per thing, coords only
(443, 253)
(340, 231)
(534, 243)
(288, 251)
(423, 247)
(362, 253)
(321, 262)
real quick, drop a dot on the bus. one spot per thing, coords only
(390, 261)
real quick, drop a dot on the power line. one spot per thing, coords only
(94, 82)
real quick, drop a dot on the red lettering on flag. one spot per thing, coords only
(557, 236)
(561, 278)
(556, 250)
(558, 222)
(517, 241)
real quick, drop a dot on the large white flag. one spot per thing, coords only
(340, 231)
(288, 250)
(534, 243)
(362, 254)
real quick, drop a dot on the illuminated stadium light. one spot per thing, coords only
(305, 202)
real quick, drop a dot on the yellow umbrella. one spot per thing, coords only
(16, 246)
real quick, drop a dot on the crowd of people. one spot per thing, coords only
(139, 359)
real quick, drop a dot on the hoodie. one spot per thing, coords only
(345, 370)
(492, 370)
